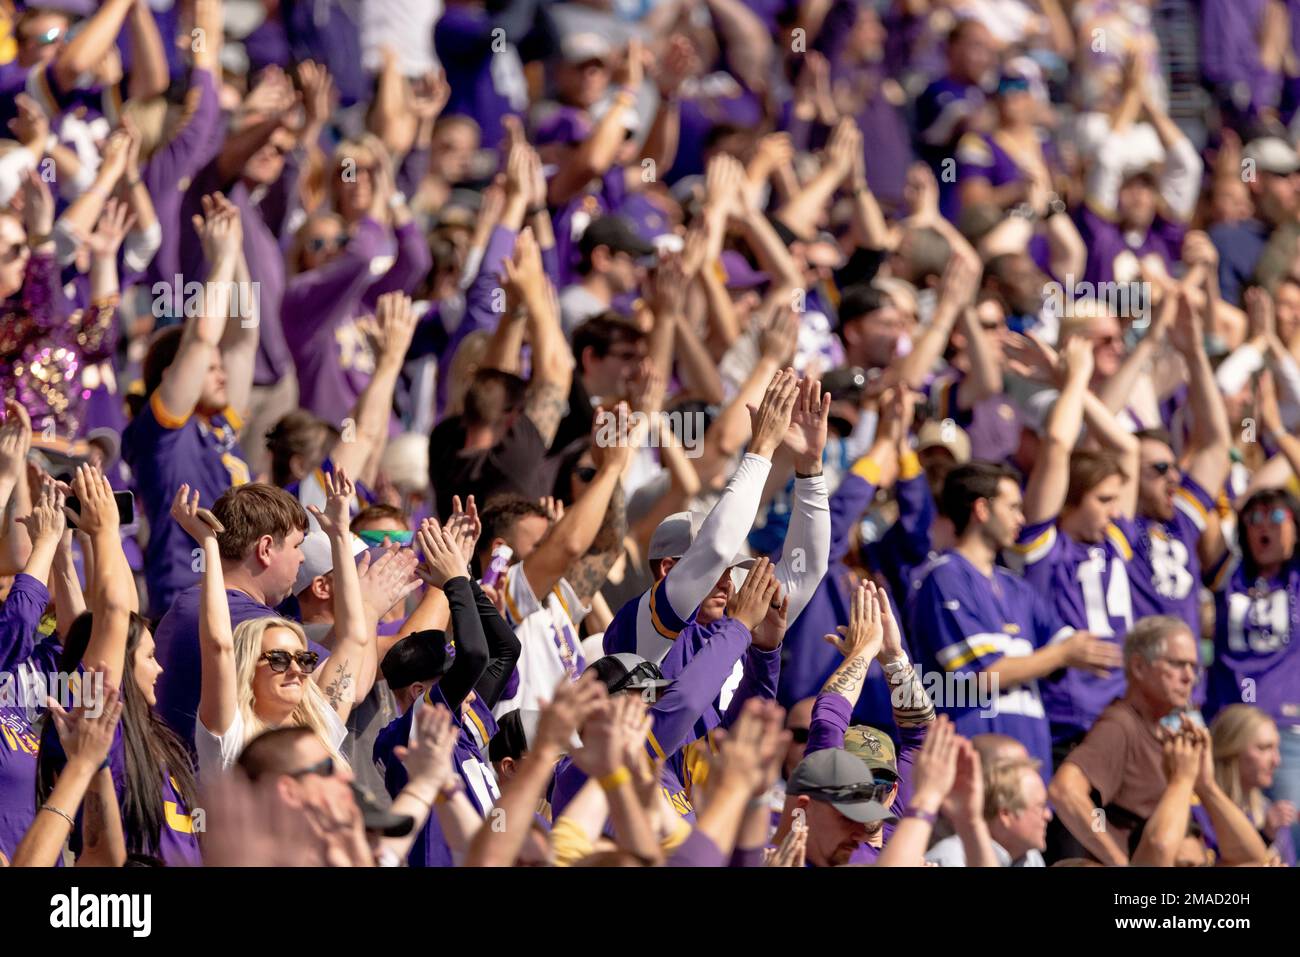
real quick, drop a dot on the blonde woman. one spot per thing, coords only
(263, 675)
(1246, 756)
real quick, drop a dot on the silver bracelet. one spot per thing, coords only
(63, 814)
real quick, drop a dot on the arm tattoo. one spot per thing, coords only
(92, 823)
(336, 690)
(545, 407)
(847, 677)
(589, 572)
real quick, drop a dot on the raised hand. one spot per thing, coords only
(38, 205)
(397, 321)
(769, 635)
(442, 557)
(779, 336)
(569, 709)
(554, 508)
(428, 758)
(46, 521)
(95, 495)
(1076, 361)
(806, 437)
(15, 441)
(793, 849)
(317, 93)
(86, 734)
(219, 228)
(524, 277)
(335, 517)
(677, 62)
(612, 450)
(31, 126)
(1031, 358)
(199, 523)
(750, 603)
(114, 223)
(748, 755)
(863, 635)
(965, 802)
(464, 527)
(935, 770)
(1182, 758)
(891, 646)
(771, 420)
(430, 95)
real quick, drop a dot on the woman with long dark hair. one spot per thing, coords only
(153, 777)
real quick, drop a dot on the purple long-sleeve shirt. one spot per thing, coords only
(169, 171)
(674, 717)
(326, 312)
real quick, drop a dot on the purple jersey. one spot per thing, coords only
(165, 451)
(993, 425)
(1165, 572)
(960, 622)
(1089, 588)
(21, 658)
(1112, 251)
(1254, 659)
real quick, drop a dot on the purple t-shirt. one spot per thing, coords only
(1107, 242)
(1165, 573)
(164, 452)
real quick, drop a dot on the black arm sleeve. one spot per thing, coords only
(471, 646)
(502, 645)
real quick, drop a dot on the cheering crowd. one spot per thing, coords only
(721, 433)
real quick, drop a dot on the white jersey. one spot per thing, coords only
(550, 648)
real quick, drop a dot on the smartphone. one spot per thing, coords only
(1174, 722)
(125, 507)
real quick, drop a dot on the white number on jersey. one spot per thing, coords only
(1260, 625)
(482, 781)
(1169, 572)
(1114, 602)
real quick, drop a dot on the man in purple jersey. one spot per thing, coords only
(197, 383)
(260, 557)
(986, 632)
(1076, 541)
(1174, 503)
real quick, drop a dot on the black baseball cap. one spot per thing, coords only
(378, 819)
(628, 672)
(616, 233)
(421, 656)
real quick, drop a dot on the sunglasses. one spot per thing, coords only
(877, 791)
(1111, 340)
(12, 252)
(585, 474)
(799, 735)
(376, 536)
(44, 39)
(317, 244)
(1268, 516)
(280, 660)
(1161, 468)
(323, 767)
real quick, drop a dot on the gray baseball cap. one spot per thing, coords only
(674, 536)
(841, 779)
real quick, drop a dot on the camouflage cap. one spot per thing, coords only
(873, 746)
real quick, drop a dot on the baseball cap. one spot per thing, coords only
(673, 536)
(109, 441)
(583, 47)
(380, 819)
(945, 435)
(628, 672)
(1272, 154)
(873, 746)
(617, 233)
(841, 779)
(318, 558)
(738, 273)
(420, 656)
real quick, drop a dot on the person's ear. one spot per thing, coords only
(982, 510)
(508, 765)
(263, 549)
(287, 789)
(322, 587)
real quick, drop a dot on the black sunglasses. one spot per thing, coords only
(323, 767)
(280, 660)
(800, 735)
(1162, 468)
(586, 473)
(877, 791)
(318, 244)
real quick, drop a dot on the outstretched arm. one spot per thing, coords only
(1049, 481)
(112, 590)
(218, 694)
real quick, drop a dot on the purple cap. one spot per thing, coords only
(74, 8)
(739, 273)
(566, 125)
